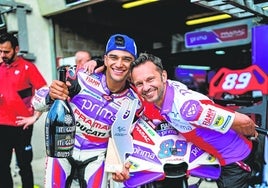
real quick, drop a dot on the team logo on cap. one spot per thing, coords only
(119, 41)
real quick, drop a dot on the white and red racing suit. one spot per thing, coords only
(94, 107)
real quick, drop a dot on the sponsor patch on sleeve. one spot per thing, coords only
(191, 110)
(215, 118)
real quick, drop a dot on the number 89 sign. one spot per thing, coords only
(239, 81)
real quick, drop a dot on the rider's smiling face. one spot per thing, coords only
(117, 64)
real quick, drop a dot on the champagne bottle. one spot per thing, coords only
(60, 126)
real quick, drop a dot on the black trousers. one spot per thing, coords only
(233, 176)
(20, 140)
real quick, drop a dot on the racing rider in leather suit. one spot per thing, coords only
(95, 99)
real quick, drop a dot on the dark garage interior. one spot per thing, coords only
(154, 24)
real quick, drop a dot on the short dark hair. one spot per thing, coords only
(144, 57)
(7, 37)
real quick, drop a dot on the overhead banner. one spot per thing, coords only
(216, 36)
(221, 35)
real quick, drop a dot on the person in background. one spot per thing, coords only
(95, 100)
(81, 57)
(215, 129)
(19, 80)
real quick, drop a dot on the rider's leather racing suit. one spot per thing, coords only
(94, 107)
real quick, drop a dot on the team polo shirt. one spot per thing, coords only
(19, 80)
(204, 124)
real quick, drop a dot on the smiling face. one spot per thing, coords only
(150, 82)
(117, 64)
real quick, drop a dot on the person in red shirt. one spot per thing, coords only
(19, 80)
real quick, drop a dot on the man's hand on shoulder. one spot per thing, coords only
(94, 66)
